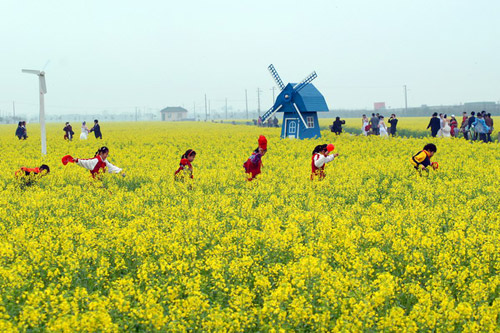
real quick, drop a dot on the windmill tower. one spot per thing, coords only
(300, 103)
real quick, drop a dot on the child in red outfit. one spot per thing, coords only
(28, 176)
(185, 166)
(97, 165)
(254, 163)
(319, 158)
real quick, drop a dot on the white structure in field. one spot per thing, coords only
(42, 87)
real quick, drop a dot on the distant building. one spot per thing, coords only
(379, 106)
(173, 113)
(480, 106)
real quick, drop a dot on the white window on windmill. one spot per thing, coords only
(310, 122)
(292, 127)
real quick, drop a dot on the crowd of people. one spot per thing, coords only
(21, 132)
(376, 125)
(100, 164)
(370, 126)
(68, 131)
(271, 122)
(474, 127)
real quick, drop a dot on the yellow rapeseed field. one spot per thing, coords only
(372, 247)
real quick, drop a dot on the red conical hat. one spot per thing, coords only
(262, 142)
(67, 158)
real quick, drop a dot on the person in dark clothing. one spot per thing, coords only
(68, 132)
(464, 127)
(25, 131)
(275, 122)
(394, 122)
(20, 130)
(337, 125)
(96, 129)
(434, 124)
(374, 121)
(472, 119)
(489, 123)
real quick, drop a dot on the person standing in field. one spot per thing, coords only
(20, 131)
(374, 121)
(464, 127)
(489, 122)
(393, 121)
(364, 124)
(445, 129)
(275, 122)
(434, 124)
(382, 127)
(337, 126)
(96, 129)
(97, 165)
(185, 169)
(481, 128)
(319, 158)
(85, 131)
(68, 132)
(470, 121)
(454, 126)
(441, 125)
(254, 163)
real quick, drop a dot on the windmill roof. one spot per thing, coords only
(309, 99)
(173, 109)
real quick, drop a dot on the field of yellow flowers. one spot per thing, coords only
(372, 247)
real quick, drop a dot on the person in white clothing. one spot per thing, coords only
(365, 122)
(441, 122)
(382, 127)
(97, 165)
(445, 129)
(319, 158)
(85, 131)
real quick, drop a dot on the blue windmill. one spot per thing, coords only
(300, 103)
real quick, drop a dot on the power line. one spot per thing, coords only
(246, 102)
(258, 100)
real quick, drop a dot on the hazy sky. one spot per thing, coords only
(117, 55)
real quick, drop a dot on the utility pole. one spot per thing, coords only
(206, 111)
(194, 111)
(136, 113)
(246, 101)
(226, 107)
(258, 100)
(273, 93)
(406, 101)
(13, 110)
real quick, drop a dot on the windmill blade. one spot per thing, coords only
(305, 82)
(270, 112)
(300, 115)
(276, 77)
(31, 71)
(43, 85)
(46, 64)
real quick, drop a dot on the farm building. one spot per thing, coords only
(173, 113)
